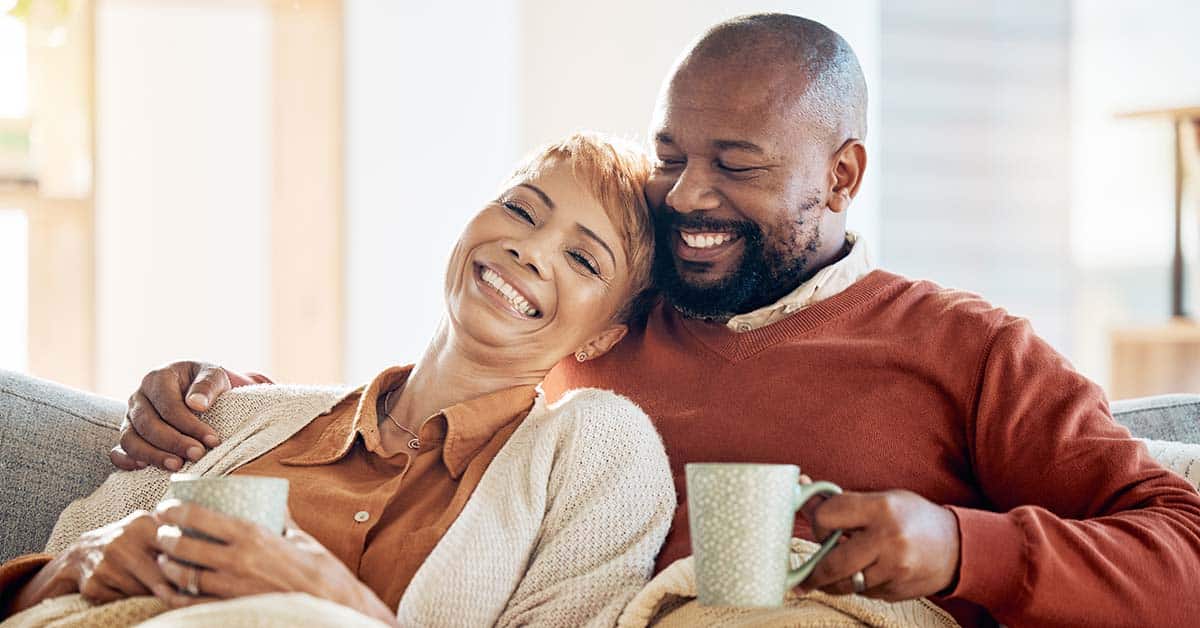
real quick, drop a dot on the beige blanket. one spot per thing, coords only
(276, 610)
(669, 601)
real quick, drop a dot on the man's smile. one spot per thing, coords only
(704, 246)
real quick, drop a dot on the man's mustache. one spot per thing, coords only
(666, 218)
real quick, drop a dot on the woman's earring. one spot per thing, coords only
(582, 356)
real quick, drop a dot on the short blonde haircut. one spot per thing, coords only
(615, 172)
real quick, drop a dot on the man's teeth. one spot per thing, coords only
(493, 279)
(705, 240)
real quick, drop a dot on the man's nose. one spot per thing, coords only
(693, 191)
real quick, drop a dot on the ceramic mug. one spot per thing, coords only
(741, 518)
(257, 499)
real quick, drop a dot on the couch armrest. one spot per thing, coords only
(1165, 417)
(54, 444)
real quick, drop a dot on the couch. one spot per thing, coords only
(54, 444)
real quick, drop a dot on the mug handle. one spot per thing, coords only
(804, 492)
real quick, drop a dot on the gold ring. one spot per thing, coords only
(193, 583)
(859, 581)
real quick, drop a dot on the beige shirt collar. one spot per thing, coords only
(828, 281)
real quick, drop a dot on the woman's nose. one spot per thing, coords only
(692, 191)
(529, 256)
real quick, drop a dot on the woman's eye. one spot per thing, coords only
(669, 162)
(518, 211)
(729, 168)
(585, 262)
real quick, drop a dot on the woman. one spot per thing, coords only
(446, 493)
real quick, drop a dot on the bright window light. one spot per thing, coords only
(14, 85)
(14, 285)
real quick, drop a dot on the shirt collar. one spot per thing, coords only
(828, 282)
(468, 426)
(472, 424)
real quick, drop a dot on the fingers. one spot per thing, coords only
(179, 577)
(142, 451)
(96, 592)
(167, 388)
(124, 461)
(872, 575)
(209, 383)
(858, 552)
(847, 511)
(211, 523)
(202, 553)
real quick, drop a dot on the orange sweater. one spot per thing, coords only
(1063, 518)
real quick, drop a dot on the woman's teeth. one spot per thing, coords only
(493, 279)
(705, 240)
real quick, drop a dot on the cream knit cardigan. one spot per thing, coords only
(562, 530)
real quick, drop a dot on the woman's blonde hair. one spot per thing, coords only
(615, 172)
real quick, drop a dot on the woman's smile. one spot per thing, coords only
(505, 293)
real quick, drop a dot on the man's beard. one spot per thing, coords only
(763, 276)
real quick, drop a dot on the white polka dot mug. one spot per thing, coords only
(257, 499)
(741, 518)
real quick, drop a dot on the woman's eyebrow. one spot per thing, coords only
(536, 190)
(592, 234)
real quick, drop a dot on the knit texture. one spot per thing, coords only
(669, 601)
(1182, 458)
(897, 384)
(275, 610)
(561, 531)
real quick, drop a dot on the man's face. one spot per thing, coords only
(738, 190)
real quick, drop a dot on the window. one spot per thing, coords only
(14, 88)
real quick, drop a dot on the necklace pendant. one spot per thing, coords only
(414, 443)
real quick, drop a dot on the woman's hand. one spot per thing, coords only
(106, 564)
(248, 559)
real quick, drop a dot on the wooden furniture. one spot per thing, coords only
(1156, 360)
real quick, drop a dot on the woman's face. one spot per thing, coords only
(541, 270)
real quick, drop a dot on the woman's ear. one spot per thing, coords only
(602, 343)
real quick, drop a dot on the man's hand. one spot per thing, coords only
(162, 426)
(906, 546)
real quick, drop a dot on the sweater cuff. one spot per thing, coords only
(15, 573)
(993, 561)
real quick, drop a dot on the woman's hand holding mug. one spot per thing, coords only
(222, 557)
(109, 563)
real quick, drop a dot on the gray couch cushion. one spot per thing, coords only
(54, 444)
(1166, 417)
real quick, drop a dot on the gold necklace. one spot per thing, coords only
(415, 442)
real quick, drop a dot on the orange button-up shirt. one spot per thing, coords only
(380, 515)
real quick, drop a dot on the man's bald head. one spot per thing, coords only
(806, 60)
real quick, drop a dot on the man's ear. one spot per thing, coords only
(846, 175)
(602, 343)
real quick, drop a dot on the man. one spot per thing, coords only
(981, 470)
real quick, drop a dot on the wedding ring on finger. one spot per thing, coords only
(859, 581)
(193, 582)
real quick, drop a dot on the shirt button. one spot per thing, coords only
(362, 516)
(743, 327)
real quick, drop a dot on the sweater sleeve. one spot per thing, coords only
(1087, 529)
(15, 573)
(610, 503)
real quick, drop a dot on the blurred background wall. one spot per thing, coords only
(274, 184)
